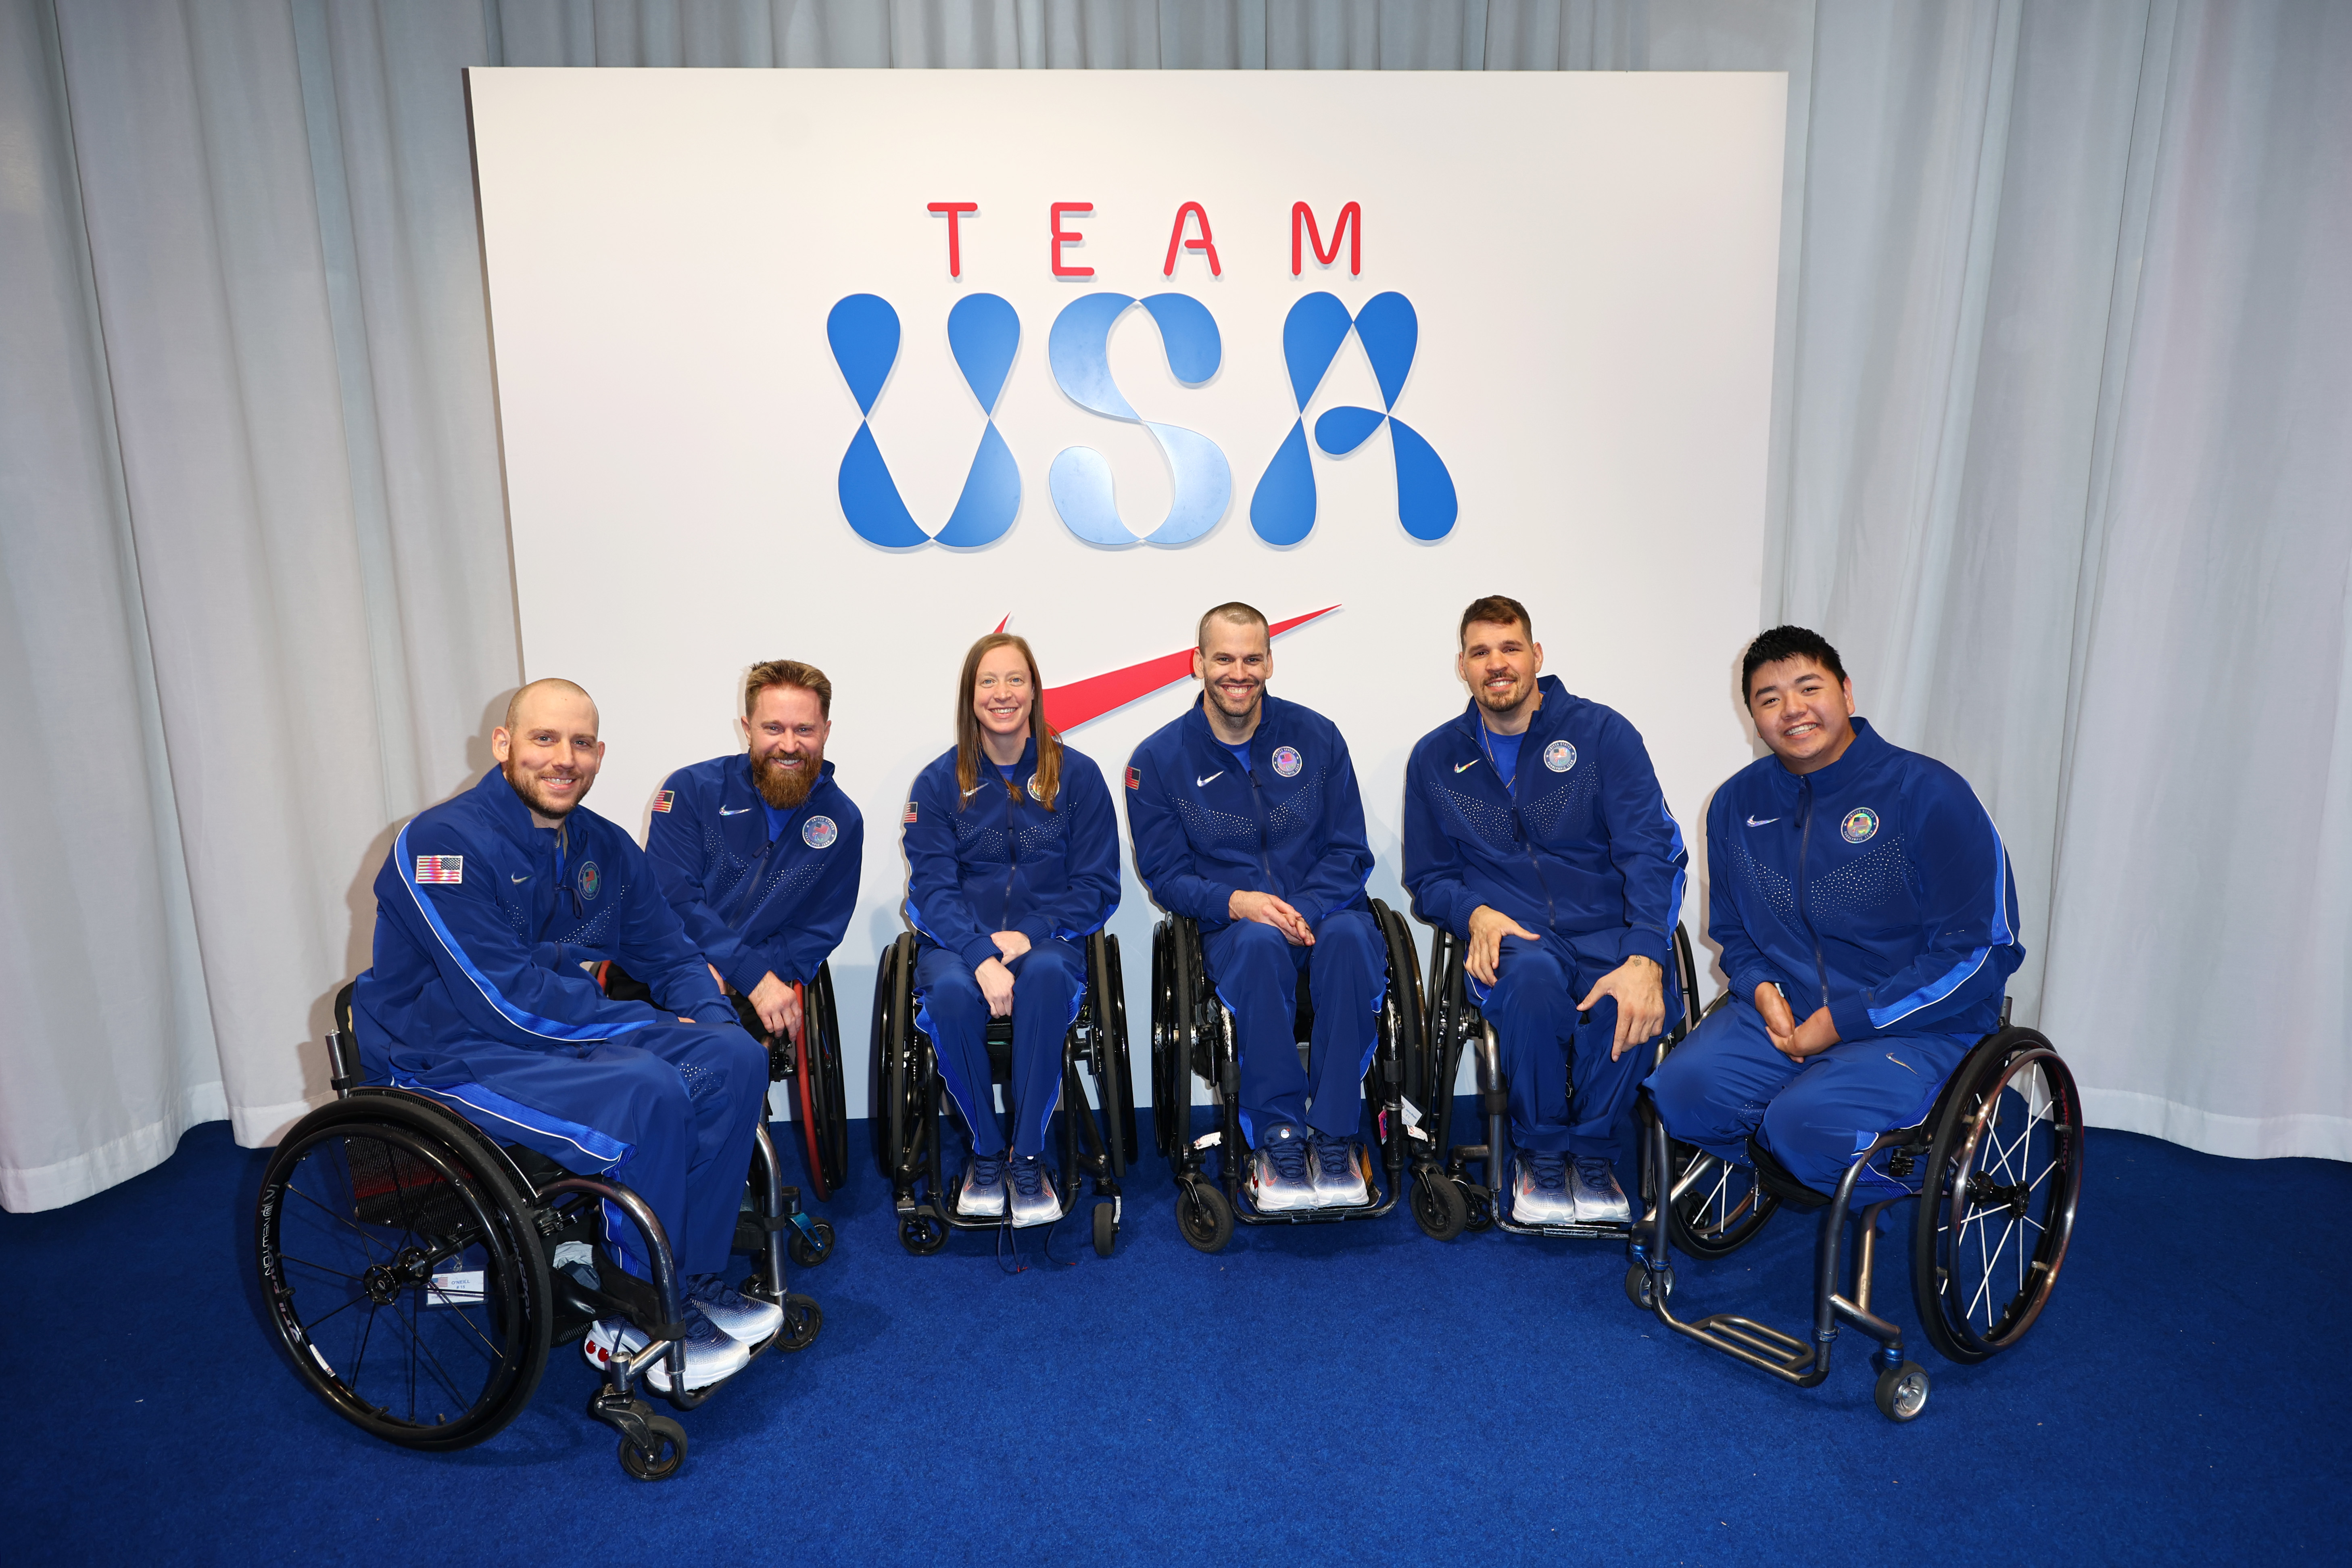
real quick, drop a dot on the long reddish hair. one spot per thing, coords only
(1049, 744)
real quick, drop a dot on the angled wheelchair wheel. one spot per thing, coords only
(822, 1111)
(893, 1107)
(1204, 1216)
(1715, 1207)
(809, 1249)
(661, 1455)
(1997, 1206)
(401, 1271)
(1170, 1091)
(1123, 1062)
(1438, 1205)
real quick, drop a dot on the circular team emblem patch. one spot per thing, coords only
(1560, 756)
(1034, 792)
(592, 880)
(818, 833)
(1859, 824)
(1287, 762)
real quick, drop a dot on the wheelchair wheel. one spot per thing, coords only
(401, 1271)
(1170, 1090)
(1204, 1216)
(1997, 1207)
(1638, 1288)
(803, 1319)
(809, 1250)
(1438, 1206)
(1106, 1235)
(1479, 1203)
(663, 1458)
(922, 1234)
(1115, 1007)
(1901, 1392)
(895, 1104)
(1716, 1208)
(822, 1111)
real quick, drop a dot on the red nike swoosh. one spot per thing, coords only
(1083, 702)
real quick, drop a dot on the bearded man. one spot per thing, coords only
(759, 851)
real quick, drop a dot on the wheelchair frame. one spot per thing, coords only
(1960, 1141)
(909, 1108)
(1447, 1199)
(531, 1207)
(1193, 1040)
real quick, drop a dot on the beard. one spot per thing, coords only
(536, 798)
(783, 787)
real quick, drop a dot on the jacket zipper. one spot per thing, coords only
(1804, 843)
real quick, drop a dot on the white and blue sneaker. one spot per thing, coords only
(1598, 1199)
(1278, 1179)
(983, 1194)
(1033, 1202)
(1338, 1172)
(1539, 1194)
(746, 1318)
(712, 1355)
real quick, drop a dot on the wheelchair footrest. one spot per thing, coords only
(1761, 1338)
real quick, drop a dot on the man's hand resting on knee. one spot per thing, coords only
(1267, 909)
(1640, 987)
(1488, 927)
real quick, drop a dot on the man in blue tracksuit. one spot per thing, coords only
(1536, 833)
(1245, 818)
(759, 851)
(487, 912)
(1868, 922)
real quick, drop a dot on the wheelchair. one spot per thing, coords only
(810, 1061)
(1998, 1159)
(909, 1114)
(415, 1271)
(1192, 1036)
(1714, 1207)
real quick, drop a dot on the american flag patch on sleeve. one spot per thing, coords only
(1135, 778)
(910, 811)
(440, 867)
(661, 801)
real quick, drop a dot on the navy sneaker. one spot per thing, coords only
(1539, 1195)
(1338, 1172)
(1278, 1178)
(1034, 1200)
(982, 1196)
(712, 1355)
(1598, 1199)
(739, 1317)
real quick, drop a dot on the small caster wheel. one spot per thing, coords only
(1106, 1229)
(922, 1234)
(1439, 1208)
(1903, 1392)
(1637, 1285)
(1206, 1216)
(810, 1246)
(1479, 1204)
(803, 1319)
(662, 1459)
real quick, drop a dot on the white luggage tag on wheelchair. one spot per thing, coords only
(461, 1288)
(1211, 1137)
(1413, 1118)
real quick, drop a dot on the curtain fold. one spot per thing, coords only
(2061, 444)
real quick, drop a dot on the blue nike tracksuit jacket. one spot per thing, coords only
(1577, 847)
(756, 898)
(997, 861)
(479, 995)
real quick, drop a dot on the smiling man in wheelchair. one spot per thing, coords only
(488, 912)
(1534, 831)
(1868, 920)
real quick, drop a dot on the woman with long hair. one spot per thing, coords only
(1012, 860)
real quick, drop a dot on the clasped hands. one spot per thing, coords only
(1638, 984)
(1267, 909)
(996, 980)
(1790, 1039)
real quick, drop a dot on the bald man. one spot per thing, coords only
(491, 912)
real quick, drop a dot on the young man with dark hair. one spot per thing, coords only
(1868, 922)
(759, 850)
(490, 911)
(1245, 816)
(1534, 831)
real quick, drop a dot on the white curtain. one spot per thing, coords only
(2062, 457)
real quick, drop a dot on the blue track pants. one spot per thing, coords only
(1049, 982)
(1533, 1009)
(669, 1110)
(1727, 1081)
(1256, 971)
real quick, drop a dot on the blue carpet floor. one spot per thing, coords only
(1352, 1393)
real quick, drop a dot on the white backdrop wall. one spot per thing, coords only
(2059, 456)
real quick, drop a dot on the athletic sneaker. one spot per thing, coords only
(712, 1355)
(1278, 1179)
(1338, 1172)
(1539, 1195)
(1598, 1199)
(1033, 1202)
(742, 1317)
(982, 1196)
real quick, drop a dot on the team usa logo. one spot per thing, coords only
(592, 880)
(1560, 756)
(1287, 762)
(819, 832)
(1859, 824)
